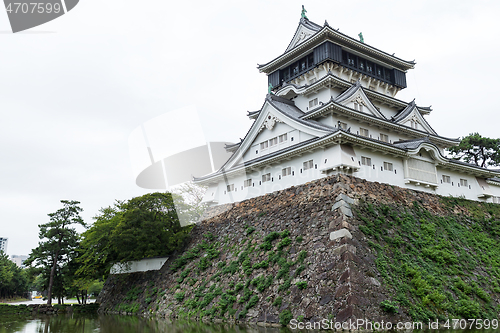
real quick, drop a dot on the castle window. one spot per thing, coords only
(266, 177)
(247, 183)
(364, 132)
(388, 166)
(463, 182)
(369, 67)
(384, 137)
(343, 125)
(264, 145)
(446, 179)
(273, 141)
(308, 165)
(283, 138)
(230, 188)
(313, 102)
(286, 171)
(361, 64)
(366, 161)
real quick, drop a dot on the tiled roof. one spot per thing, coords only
(411, 144)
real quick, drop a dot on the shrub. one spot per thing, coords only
(301, 284)
(285, 317)
(250, 230)
(179, 296)
(389, 306)
(277, 302)
(285, 233)
(253, 301)
(284, 243)
(302, 256)
(299, 239)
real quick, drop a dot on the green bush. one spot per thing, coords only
(277, 302)
(285, 317)
(301, 284)
(389, 306)
(179, 296)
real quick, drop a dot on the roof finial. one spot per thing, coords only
(361, 39)
(303, 13)
(270, 89)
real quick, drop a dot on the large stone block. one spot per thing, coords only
(340, 233)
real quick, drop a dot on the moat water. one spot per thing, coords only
(132, 324)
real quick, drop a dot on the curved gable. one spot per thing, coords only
(355, 98)
(412, 117)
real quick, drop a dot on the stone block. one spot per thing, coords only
(344, 314)
(340, 203)
(349, 256)
(340, 233)
(343, 248)
(342, 291)
(346, 211)
(345, 198)
(344, 277)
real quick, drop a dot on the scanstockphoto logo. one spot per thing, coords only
(25, 15)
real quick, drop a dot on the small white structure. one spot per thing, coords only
(144, 265)
(331, 109)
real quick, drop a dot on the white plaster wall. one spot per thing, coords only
(323, 95)
(293, 137)
(143, 265)
(258, 188)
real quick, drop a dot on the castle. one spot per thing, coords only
(332, 108)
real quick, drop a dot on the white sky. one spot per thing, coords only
(74, 89)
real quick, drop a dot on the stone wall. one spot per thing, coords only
(339, 279)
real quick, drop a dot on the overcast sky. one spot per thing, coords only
(74, 89)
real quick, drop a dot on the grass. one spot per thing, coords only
(439, 266)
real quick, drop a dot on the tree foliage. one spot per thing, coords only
(142, 227)
(13, 280)
(478, 150)
(57, 247)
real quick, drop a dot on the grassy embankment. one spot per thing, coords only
(440, 266)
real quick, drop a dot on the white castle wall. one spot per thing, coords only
(144, 265)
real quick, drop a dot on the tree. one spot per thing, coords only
(188, 199)
(142, 227)
(478, 150)
(58, 245)
(13, 280)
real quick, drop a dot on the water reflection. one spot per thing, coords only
(117, 324)
(130, 324)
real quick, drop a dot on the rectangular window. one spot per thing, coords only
(446, 179)
(366, 161)
(463, 182)
(313, 102)
(308, 165)
(247, 182)
(230, 188)
(388, 166)
(364, 132)
(384, 137)
(264, 145)
(343, 125)
(286, 172)
(266, 177)
(273, 141)
(283, 138)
